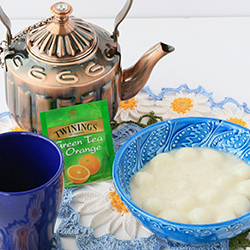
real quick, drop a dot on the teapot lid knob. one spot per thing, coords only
(62, 39)
(61, 11)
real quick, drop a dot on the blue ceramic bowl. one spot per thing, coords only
(166, 136)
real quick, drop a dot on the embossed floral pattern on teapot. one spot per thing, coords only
(64, 60)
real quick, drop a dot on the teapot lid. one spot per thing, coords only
(62, 38)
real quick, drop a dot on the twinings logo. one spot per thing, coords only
(76, 129)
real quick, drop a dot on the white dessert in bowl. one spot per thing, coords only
(193, 185)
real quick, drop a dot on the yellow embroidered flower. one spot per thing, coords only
(237, 121)
(239, 116)
(101, 200)
(133, 108)
(182, 105)
(17, 129)
(116, 202)
(128, 104)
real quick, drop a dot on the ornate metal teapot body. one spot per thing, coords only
(63, 61)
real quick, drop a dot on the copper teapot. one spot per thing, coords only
(63, 61)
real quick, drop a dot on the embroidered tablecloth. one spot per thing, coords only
(94, 214)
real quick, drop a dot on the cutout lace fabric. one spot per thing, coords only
(150, 108)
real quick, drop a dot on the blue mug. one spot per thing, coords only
(31, 190)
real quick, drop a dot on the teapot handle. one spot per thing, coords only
(120, 17)
(6, 21)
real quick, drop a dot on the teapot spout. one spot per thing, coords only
(135, 77)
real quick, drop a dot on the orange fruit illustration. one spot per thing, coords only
(91, 162)
(78, 174)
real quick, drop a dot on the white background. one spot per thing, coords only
(17, 9)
